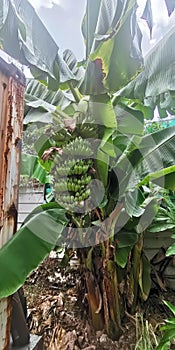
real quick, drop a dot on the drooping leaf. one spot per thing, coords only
(121, 256)
(129, 120)
(150, 210)
(72, 63)
(113, 45)
(148, 16)
(38, 115)
(43, 143)
(107, 144)
(132, 203)
(120, 141)
(170, 6)
(24, 37)
(89, 23)
(102, 111)
(126, 239)
(156, 82)
(154, 154)
(168, 179)
(29, 246)
(37, 91)
(102, 164)
(31, 167)
(42, 208)
(133, 105)
(145, 277)
(40, 102)
(125, 243)
(108, 132)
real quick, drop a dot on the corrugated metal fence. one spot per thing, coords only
(29, 198)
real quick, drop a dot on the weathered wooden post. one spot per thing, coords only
(12, 86)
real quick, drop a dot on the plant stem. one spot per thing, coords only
(75, 92)
(76, 221)
(136, 266)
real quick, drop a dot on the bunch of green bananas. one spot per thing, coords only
(86, 126)
(72, 174)
(61, 136)
(78, 148)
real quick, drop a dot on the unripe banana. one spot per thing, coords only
(71, 172)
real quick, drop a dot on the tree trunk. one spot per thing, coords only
(104, 298)
(111, 291)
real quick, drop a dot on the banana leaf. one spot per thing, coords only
(113, 45)
(40, 102)
(156, 83)
(41, 231)
(31, 167)
(24, 37)
(148, 158)
(126, 241)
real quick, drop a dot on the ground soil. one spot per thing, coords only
(57, 313)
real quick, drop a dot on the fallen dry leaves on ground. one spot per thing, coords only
(56, 311)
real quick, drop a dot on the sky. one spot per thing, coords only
(162, 23)
(63, 20)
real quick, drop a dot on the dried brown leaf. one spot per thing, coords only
(70, 124)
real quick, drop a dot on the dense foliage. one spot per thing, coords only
(102, 165)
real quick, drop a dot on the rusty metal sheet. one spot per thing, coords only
(11, 116)
(5, 311)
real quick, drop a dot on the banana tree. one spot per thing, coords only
(100, 160)
(101, 210)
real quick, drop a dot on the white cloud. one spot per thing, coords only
(160, 14)
(161, 23)
(45, 3)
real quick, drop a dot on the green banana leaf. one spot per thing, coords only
(168, 179)
(129, 120)
(145, 277)
(150, 211)
(31, 166)
(113, 45)
(40, 102)
(75, 67)
(29, 246)
(121, 256)
(147, 158)
(24, 37)
(126, 241)
(155, 84)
